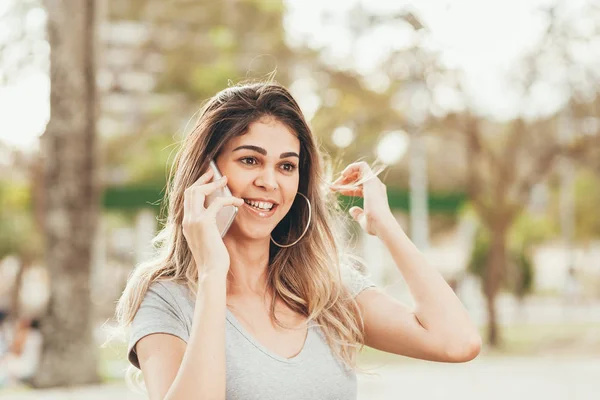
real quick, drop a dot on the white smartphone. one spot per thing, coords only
(227, 214)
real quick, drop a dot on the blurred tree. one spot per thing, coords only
(393, 95)
(207, 46)
(526, 231)
(71, 196)
(521, 275)
(192, 50)
(506, 160)
(222, 42)
(503, 167)
(587, 197)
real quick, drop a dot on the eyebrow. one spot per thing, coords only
(264, 152)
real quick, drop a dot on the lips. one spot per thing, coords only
(260, 213)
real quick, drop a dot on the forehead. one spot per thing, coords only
(270, 134)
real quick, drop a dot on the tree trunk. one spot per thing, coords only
(493, 275)
(71, 198)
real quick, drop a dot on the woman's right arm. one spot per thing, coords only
(176, 371)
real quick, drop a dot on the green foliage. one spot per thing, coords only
(586, 187)
(268, 6)
(156, 157)
(519, 276)
(211, 78)
(14, 197)
(222, 38)
(18, 234)
(587, 199)
(529, 230)
(133, 197)
(218, 43)
(479, 254)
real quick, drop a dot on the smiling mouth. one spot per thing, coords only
(259, 212)
(260, 205)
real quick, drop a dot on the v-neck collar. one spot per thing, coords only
(293, 360)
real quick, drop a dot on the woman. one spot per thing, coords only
(272, 310)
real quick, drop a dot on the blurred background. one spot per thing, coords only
(486, 113)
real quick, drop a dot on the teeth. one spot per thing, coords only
(260, 204)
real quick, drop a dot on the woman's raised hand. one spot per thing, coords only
(374, 193)
(200, 224)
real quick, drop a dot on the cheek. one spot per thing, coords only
(236, 179)
(290, 190)
(237, 185)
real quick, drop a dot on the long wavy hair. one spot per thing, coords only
(306, 276)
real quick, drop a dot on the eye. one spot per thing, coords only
(249, 160)
(289, 167)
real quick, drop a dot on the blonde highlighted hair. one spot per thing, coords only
(306, 276)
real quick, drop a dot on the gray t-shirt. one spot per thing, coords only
(253, 372)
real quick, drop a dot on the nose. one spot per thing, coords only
(267, 180)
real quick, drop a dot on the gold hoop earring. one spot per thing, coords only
(305, 229)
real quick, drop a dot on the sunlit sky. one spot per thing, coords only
(484, 39)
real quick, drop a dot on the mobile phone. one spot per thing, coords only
(225, 215)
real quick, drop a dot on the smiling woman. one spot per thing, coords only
(273, 310)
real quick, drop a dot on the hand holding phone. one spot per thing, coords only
(225, 215)
(203, 234)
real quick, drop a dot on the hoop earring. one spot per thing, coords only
(305, 229)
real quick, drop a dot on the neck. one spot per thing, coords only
(248, 268)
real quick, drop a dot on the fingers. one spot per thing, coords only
(355, 212)
(343, 179)
(352, 179)
(204, 178)
(195, 195)
(199, 191)
(221, 202)
(361, 167)
(191, 202)
(194, 202)
(357, 171)
(210, 187)
(345, 183)
(358, 192)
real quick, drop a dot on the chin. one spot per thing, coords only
(251, 232)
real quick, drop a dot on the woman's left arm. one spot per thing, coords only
(438, 328)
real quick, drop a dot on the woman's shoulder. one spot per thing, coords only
(164, 300)
(168, 285)
(165, 308)
(355, 279)
(171, 291)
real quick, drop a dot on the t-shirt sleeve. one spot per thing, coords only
(355, 280)
(159, 312)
